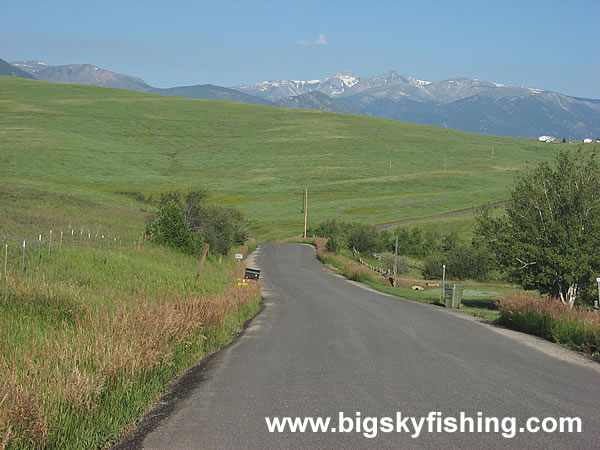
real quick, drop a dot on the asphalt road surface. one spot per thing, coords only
(323, 345)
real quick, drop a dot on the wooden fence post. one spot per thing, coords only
(201, 264)
(396, 262)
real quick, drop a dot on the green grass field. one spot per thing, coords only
(70, 148)
(461, 225)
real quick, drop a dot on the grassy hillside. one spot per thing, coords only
(97, 147)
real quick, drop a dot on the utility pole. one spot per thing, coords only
(390, 167)
(396, 261)
(305, 210)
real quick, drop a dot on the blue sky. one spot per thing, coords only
(546, 44)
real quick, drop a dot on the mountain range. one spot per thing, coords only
(81, 74)
(459, 103)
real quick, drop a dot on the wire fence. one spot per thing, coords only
(20, 256)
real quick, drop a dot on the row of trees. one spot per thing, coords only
(187, 221)
(464, 260)
(365, 238)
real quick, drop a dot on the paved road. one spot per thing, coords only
(323, 345)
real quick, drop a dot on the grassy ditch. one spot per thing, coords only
(548, 318)
(93, 336)
(479, 299)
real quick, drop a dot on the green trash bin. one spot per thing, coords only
(453, 295)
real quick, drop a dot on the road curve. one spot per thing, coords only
(323, 345)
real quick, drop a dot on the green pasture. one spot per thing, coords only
(71, 148)
(462, 225)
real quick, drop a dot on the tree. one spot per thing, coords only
(363, 237)
(169, 227)
(462, 261)
(185, 222)
(550, 237)
(221, 227)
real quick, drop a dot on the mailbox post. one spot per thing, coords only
(443, 281)
(596, 302)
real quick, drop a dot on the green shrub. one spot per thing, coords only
(334, 243)
(329, 228)
(432, 266)
(223, 228)
(363, 238)
(462, 261)
(186, 222)
(170, 228)
(415, 243)
(387, 260)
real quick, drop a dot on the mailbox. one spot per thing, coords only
(252, 274)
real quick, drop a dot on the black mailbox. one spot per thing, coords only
(252, 274)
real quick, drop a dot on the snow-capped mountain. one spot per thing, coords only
(341, 84)
(460, 103)
(8, 70)
(274, 90)
(30, 66)
(389, 85)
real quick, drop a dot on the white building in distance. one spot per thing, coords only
(548, 139)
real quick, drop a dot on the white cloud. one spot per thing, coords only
(322, 40)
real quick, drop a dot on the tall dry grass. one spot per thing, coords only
(59, 359)
(549, 318)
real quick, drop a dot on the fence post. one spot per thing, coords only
(395, 261)
(201, 264)
(60, 245)
(50, 244)
(39, 249)
(23, 261)
(5, 259)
